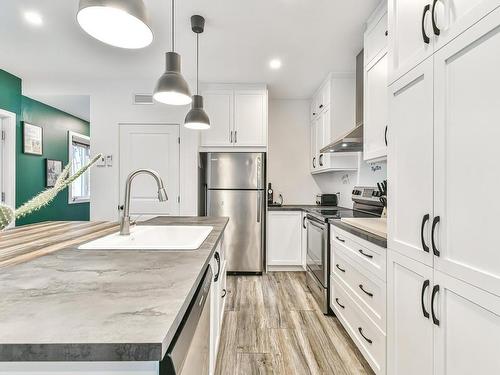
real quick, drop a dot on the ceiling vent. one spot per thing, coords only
(143, 99)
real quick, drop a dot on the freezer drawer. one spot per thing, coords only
(244, 234)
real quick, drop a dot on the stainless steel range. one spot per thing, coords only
(366, 204)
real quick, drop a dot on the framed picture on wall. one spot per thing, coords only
(53, 169)
(32, 139)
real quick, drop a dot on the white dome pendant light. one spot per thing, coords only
(197, 118)
(172, 88)
(120, 23)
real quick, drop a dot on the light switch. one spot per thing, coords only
(109, 160)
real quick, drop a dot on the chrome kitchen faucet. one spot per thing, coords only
(162, 197)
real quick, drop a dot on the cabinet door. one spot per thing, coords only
(219, 107)
(453, 17)
(409, 328)
(313, 163)
(467, 110)
(408, 21)
(325, 138)
(304, 240)
(250, 119)
(410, 163)
(284, 244)
(375, 39)
(376, 107)
(467, 338)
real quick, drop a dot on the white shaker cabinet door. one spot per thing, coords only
(453, 17)
(409, 327)
(284, 238)
(250, 118)
(410, 35)
(467, 153)
(410, 163)
(376, 108)
(219, 107)
(468, 336)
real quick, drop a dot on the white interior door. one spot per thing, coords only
(409, 325)
(410, 163)
(467, 338)
(153, 147)
(467, 109)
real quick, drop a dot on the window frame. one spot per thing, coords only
(85, 140)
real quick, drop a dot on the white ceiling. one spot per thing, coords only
(312, 37)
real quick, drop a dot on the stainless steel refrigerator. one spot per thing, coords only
(233, 184)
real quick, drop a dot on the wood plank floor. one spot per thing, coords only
(272, 325)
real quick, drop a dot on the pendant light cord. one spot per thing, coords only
(197, 61)
(173, 26)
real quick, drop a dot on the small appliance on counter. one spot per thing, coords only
(326, 199)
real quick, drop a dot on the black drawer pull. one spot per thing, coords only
(338, 303)
(340, 239)
(368, 293)
(425, 285)
(224, 293)
(337, 265)
(366, 338)
(435, 290)
(365, 254)
(385, 135)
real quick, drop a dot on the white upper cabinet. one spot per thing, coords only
(409, 328)
(452, 17)
(467, 133)
(375, 37)
(410, 35)
(410, 164)
(219, 107)
(238, 116)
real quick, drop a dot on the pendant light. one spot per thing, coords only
(172, 88)
(120, 23)
(197, 118)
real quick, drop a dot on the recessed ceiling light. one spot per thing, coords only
(275, 64)
(33, 18)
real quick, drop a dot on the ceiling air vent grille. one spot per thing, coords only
(143, 99)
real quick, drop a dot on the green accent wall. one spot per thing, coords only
(30, 169)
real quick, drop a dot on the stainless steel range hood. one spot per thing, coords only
(352, 141)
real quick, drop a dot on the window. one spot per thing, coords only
(79, 155)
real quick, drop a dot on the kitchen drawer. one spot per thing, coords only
(370, 256)
(368, 291)
(370, 340)
(222, 292)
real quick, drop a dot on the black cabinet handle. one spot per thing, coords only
(321, 160)
(366, 338)
(368, 293)
(340, 239)
(434, 247)
(424, 35)
(321, 106)
(340, 269)
(304, 222)
(434, 25)
(385, 135)
(365, 254)
(314, 162)
(435, 290)
(386, 33)
(425, 219)
(224, 293)
(314, 113)
(217, 258)
(338, 303)
(425, 285)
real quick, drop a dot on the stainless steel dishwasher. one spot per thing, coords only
(189, 352)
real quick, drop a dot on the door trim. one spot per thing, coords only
(8, 124)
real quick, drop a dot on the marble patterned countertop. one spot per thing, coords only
(95, 305)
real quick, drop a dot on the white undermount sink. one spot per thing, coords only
(151, 237)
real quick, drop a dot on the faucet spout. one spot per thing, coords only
(162, 196)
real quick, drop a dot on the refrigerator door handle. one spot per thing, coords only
(259, 206)
(205, 187)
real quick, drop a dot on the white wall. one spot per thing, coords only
(344, 182)
(111, 104)
(288, 151)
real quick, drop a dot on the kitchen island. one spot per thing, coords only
(99, 311)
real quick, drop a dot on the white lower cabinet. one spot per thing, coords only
(284, 238)
(358, 293)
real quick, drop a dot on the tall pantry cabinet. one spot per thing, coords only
(444, 253)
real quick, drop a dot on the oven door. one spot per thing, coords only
(317, 249)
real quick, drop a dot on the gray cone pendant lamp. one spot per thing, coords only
(120, 23)
(197, 118)
(172, 88)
